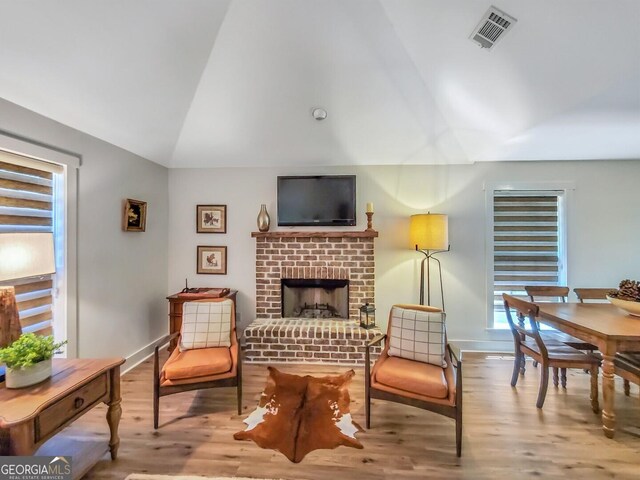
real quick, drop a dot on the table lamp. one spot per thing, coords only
(22, 255)
(429, 233)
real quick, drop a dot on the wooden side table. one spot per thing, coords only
(175, 312)
(30, 416)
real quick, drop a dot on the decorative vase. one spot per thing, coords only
(264, 221)
(26, 376)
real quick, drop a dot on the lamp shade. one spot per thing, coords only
(25, 255)
(429, 231)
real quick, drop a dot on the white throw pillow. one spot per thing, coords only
(418, 335)
(206, 324)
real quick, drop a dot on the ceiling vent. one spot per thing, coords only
(493, 26)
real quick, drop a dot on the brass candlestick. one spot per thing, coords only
(369, 221)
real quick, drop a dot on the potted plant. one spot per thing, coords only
(28, 359)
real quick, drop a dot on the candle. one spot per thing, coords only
(369, 207)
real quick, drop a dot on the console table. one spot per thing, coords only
(175, 310)
(30, 416)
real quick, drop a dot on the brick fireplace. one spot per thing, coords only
(290, 265)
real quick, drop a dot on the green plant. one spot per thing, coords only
(28, 350)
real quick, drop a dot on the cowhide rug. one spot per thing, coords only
(297, 415)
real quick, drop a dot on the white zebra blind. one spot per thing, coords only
(526, 242)
(26, 205)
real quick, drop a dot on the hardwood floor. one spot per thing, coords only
(504, 433)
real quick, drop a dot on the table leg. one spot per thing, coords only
(18, 440)
(114, 412)
(608, 395)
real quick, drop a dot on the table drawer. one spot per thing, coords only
(70, 406)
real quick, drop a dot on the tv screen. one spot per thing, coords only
(321, 200)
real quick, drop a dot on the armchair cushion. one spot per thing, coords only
(417, 335)
(202, 362)
(411, 376)
(206, 324)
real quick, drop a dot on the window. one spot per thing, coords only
(29, 195)
(527, 244)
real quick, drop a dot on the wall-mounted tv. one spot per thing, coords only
(327, 200)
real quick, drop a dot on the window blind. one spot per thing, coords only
(26, 205)
(526, 239)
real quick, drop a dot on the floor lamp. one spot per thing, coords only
(430, 235)
(22, 255)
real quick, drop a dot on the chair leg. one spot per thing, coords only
(627, 387)
(459, 431)
(518, 359)
(367, 388)
(563, 377)
(156, 388)
(595, 406)
(544, 383)
(239, 386)
(523, 364)
(555, 377)
(535, 364)
(156, 406)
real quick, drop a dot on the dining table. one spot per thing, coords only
(607, 327)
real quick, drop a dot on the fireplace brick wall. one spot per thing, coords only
(332, 255)
(349, 257)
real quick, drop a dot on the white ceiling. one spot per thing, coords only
(207, 83)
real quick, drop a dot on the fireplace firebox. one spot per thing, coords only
(315, 298)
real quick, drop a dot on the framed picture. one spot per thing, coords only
(211, 218)
(212, 260)
(135, 216)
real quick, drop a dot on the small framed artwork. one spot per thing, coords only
(211, 218)
(212, 260)
(135, 216)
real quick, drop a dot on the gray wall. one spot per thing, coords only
(603, 228)
(122, 277)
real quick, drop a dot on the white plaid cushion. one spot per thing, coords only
(206, 324)
(417, 335)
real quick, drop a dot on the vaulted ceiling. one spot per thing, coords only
(208, 83)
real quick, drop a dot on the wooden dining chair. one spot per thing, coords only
(628, 367)
(556, 293)
(592, 293)
(601, 294)
(528, 341)
(430, 381)
(193, 367)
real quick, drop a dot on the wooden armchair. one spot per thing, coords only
(198, 368)
(528, 341)
(416, 383)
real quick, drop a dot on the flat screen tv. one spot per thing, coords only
(328, 200)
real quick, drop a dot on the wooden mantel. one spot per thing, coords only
(312, 234)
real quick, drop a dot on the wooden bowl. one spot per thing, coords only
(632, 308)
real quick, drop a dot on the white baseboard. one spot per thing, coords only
(497, 346)
(136, 358)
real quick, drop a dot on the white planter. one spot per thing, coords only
(23, 377)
